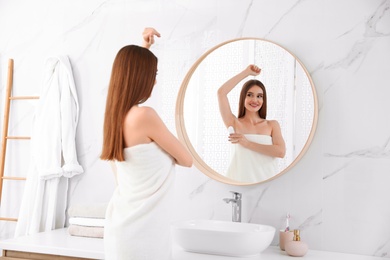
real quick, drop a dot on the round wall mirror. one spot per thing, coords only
(291, 100)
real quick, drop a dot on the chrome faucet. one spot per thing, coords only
(236, 206)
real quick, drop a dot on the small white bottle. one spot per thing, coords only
(296, 247)
(230, 130)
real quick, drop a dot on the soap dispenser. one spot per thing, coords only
(296, 247)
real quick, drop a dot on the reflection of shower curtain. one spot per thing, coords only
(53, 151)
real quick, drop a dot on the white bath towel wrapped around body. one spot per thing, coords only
(138, 215)
(249, 166)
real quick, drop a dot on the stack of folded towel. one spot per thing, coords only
(87, 220)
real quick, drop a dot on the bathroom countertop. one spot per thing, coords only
(56, 242)
(59, 242)
(273, 253)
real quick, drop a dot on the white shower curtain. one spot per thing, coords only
(53, 151)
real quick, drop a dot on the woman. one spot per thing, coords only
(145, 153)
(259, 141)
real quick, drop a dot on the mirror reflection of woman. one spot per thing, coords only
(258, 141)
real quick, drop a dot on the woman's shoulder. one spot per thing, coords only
(138, 113)
(273, 123)
(142, 110)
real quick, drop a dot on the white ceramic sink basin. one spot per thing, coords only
(222, 237)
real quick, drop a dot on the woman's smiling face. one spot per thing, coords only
(254, 99)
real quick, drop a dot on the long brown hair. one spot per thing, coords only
(241, 105)
(132, 80)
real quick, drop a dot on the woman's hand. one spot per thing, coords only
(148, 37)
(238, 139)
(253, 70)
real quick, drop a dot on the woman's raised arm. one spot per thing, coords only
(223, 101)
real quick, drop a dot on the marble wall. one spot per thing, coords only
(338, 194)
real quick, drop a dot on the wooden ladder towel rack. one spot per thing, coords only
(4, 136)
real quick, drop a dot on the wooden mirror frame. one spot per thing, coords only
(183, 136)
